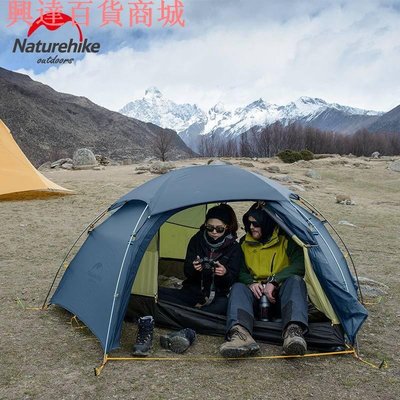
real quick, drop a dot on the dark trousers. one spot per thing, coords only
(292, 301)
(190, 296)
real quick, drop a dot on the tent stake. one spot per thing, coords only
(97, 370)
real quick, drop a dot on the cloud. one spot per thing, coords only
(234, 53)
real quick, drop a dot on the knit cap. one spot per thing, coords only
(221, 212)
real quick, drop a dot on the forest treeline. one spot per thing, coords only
(269, 141)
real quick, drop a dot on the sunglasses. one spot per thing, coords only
(212, 228)
(255, 224)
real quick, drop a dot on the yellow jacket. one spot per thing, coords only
(279, 257)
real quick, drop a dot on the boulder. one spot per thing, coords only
(284, 178)
(142, 168)
(274, 169)
(344, 199)
(312, 173)
(61, 161)
(84, 159)
(161, 167)
(246, 164)
(102, 160)
(67, 165)
(376, 154)
(395, 166)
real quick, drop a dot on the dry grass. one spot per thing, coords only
(44, 357)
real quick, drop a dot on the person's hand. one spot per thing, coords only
(197, 265)
(257, 289)
(220, 270)
(270, 291)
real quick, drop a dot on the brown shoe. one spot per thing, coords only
(293, 340)
(239, 343)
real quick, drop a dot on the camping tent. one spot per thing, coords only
(156, 220)
(19, 179)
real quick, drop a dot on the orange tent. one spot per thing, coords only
(19, 179)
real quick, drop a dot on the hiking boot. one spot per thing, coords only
(144, 338)
(178, 342)
(239, 343)
(293, 340)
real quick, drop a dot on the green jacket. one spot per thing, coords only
(280, 257)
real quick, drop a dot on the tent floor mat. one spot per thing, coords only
(321, 336)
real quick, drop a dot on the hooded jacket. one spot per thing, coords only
(276, 256)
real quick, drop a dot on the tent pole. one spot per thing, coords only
(322, 237)
(133, 234)
(313, 208)
(89, 228)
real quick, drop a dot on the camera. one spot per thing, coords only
(207, 263)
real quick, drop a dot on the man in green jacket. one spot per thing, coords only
(274, 267)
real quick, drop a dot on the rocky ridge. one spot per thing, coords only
(49, 125)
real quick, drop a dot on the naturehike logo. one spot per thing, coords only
(52, 22)
(54, 14)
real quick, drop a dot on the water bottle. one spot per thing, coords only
(264, 308)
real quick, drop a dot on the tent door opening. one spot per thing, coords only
(162, 262)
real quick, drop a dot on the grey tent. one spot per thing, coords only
(155, 221)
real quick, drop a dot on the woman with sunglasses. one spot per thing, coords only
(212, 263)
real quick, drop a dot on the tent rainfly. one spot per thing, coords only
(154, 223)
(19, 179)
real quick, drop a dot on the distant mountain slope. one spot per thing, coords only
(191, 122)
(389, 122)
(340, 121)
(48, 125)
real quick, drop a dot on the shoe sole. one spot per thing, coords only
(177, 344)
(240, 351)
(139, 353)
(295, 349)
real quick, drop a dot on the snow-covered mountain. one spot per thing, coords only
(155, 108)
(190, 121)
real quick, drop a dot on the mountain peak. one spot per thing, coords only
(219, 108)
(312, 100)
(260, 103)
(152, 92)
(161, 111)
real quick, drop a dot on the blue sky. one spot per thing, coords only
(230, 51)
